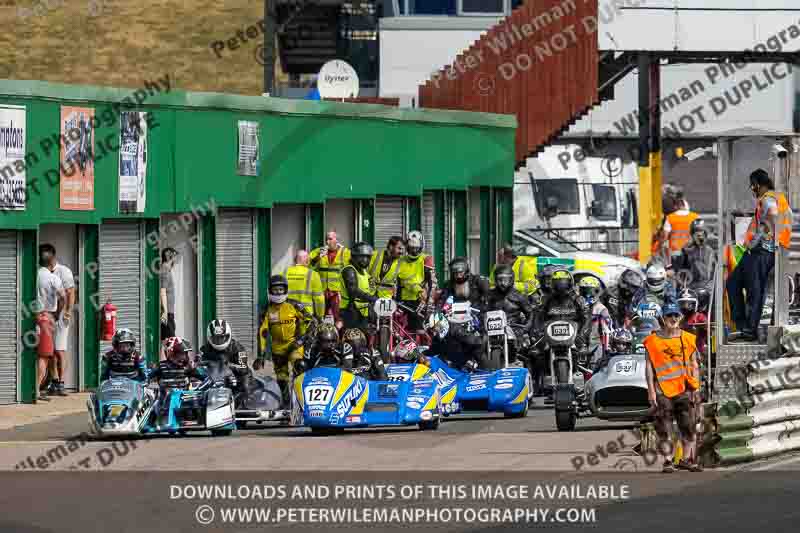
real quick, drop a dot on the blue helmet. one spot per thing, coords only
(670, 309)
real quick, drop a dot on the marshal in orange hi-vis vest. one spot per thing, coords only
(671, 360)
(783, 223)
(679, 234)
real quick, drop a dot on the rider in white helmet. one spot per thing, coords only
(416, 280)
(656, 287)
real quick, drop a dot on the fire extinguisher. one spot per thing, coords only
(45, 330)
(108, 321)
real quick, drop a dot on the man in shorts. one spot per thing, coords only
(673, 384)
(51, 300)
(47, 257)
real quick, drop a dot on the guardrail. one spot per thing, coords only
(764, 418)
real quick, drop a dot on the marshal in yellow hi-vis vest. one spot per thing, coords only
(525, 269)
(366, 284)
(330, 272)
(386, 284)
(305, 287)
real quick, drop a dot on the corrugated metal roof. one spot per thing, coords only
(539, 64)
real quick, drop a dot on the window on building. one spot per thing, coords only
(430, 7)
(606, 202)
(563, 191)
(483, 7)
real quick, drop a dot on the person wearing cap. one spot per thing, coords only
(673, 384)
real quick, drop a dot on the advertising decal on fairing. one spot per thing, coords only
(505, 381)
(415, 399)
(414, 405)
(476, 387)
(353, 420)
(320, 380)
(442, 377)
(316, 413)
(347, 402)
(503, 386)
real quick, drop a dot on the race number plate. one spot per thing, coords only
(461, 312)
(385, 307)
(626, 367)
(561, 330)
(495, 323)
(318, 394)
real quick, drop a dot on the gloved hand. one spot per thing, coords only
(470, 366)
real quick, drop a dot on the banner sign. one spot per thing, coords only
(77, 159)
(132, 162)
(249, 157)
(12, 157)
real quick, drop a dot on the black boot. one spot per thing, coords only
(59, 388)
(284, 385)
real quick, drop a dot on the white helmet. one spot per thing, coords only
(656, 278)
(219, 334)
(415, 243)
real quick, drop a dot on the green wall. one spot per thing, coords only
(310, 151)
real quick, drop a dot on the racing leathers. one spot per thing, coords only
(602, 326)
(616, 301)
(570, 306)
(169, 376)
(519, 317)
(282, 332)
(667, 296)
(695, 266)
(119, 365)
(464, 343)
(233, 356)
(358, 296)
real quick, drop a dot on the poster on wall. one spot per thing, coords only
(77, 161)
(12, 158)
(132, 161)
(249, 157)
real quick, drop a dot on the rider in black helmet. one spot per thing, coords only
(618, 297)
(519, 312)
(694, 266)
(359, 288)
(123, 360)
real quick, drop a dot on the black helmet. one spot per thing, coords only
(327, 337)
(561, 282)
(219, 334)
(630, 281)
(278, 289)
(698, 231)
(355, 338)
(544, 277)
(621, 341)
(504, 278)
(459, 270)
(123, 337)
(687, 302)
(361, 254)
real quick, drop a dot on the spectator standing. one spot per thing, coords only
(167, 298)
(51, 300)
(328, 261)
(385, 266)
(305, 285)
(47, 254)
(677, 226)
(770, 227)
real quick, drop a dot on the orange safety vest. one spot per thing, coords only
(783, 224)
(679, 234)
(670, 359)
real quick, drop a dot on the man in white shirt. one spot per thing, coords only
(47, 254)
(51, 299)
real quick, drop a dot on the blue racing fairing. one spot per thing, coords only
(333, 398)
(508, 390)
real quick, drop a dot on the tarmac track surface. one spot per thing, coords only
(129, 491)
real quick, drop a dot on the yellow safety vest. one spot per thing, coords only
(366, 284)
(412, 277)
(305, 287)
(331, 272)
(525, 280)
(387, 284)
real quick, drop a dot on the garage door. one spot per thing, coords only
(8, 317)
(390, 219)
(236, 280)
(428, 209)
(121, 274)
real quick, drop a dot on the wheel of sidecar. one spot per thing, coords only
(521, 414)
(241, 424)
(322, 432)
(566, 420)
(221, 432)
(431, 425)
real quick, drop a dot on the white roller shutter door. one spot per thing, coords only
(390, 219)
(8, 313)
(236, 283)
(428, 210)
(121, 275)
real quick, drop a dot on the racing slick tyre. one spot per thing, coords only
(566, 420)
(221, 432)
(521, 414)
(323, 432)
(241, 425)
(496, 359)
(431, 425)
(384, 335)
